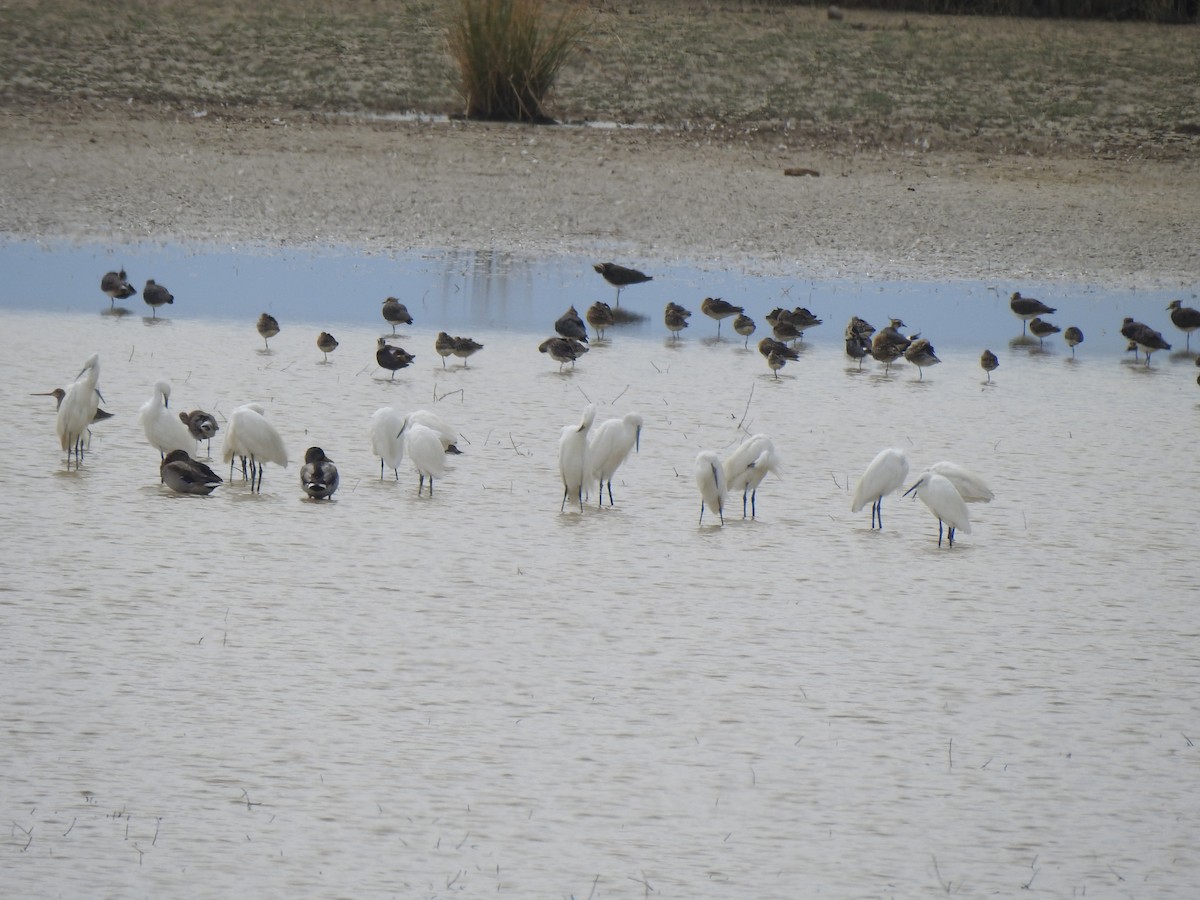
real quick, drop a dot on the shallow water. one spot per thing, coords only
(475, 694)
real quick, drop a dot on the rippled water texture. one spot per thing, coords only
(393, 695)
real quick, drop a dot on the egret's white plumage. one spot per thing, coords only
(610, 444)
(885, 474)
(710, 479)
(446, 434)
(572, 457)
(77, 409)
(747, 466)
(387, 442)
(251, 436)
(164, 430)
(424, 446)
(970, 486)
(941, 496)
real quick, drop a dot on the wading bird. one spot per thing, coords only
(1144, 337)
(387, 439)
(600, 317)
(570, 326)
(59, 393)
(1074, 337)
(392, 358)
(676, 318)
(165, 431)
(184, 475)
(609, 447)
(318, 475)
(202, 425)
(970, 486)
(117, 288)
(885, 474)
(268, 327)
(562, 350)
(620, 277)
(939, 494)
(1026, 308)
(326, 343)
(155, 296)
(920, 353)
(572, 457)
(989, 362)
(395, 313)
(465, 348)
(888, 344)
(747, 466)
(710, 481)
(251, 437)
(77, 409)
(744, 325)
(1185, 319)
(716, 308)
(424, 447)
(1041, 329)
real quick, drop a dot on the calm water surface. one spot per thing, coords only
(472, 695)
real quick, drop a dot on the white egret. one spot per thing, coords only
(970, 486)
(424, 447)
(710, 479)
(164, 431)
(747, 466)
(318, 475)
(610, 444)
(939, 494)
(572, 457)
(78, 408)
(446, 434)
(185, 475)
(884, 475)
(251, 436)
(387, 439)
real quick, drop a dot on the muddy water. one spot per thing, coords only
(475, 694)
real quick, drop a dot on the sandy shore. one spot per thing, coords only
(106, 175)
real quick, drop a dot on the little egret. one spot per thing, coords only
(396, 313)
(939, 494)
(202, 425)
(251, 436)
(620, 277)
(115, 285)
(1041, 329)
(970, 486)
(884, 475)
(387, 440)
(318, 475)
(747, 466)
(611, 442)
(326, 343)
(1026, 308)
(1185, 319)
(600, 317)
(744, 325)
(710, 480)
(59, 393)
(268, 327)
(676, 318)
(1074, 337)
(716, 308)
(446, 434)
(570, 326)
(77, 409)
(572, 457)
(156, 295)
(989, 362)
(184, 475)
(424, 447)
(165, 431)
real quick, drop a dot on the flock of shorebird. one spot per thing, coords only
(588, 454)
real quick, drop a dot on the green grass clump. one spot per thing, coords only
(508, 54)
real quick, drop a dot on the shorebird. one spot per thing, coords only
(465, 347)
(921, 354)
(710, 481)
(1026, 308)
(155, 296)
(562, 350)
(609, 447)
(989, 362)
(1074, 337)
(326, 343)
(767, 346)
(885, 474)
(117, 288)
(572, 457)
(1040, 329)
(185, 475)
(393, 358)
(747, 466)
(443, 344)
(569, 325)
(716, 308)
(744, 325)
(396, 313)
(164, 431)
(776, 361)
(889, 344)
(1185, 319)
(620, 277)
(1143, 337)
(58, 394)
(600, 317)
(318, 475)
(939, 494)
(77, 409)
(803, 319)
(268, 327)
(202, 426)
(676, 318)
(251, 437)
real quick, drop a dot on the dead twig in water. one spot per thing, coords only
(938, 872)
(437, 399)
(746, 411)
(514, 445)
(619, 396)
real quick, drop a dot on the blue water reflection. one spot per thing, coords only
(461, 291)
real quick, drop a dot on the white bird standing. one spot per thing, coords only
(387, 439)
(941, 496)
(164, 431)
(78, 408)
(424, 447)
(884, 475)
(251, 436)
(572, 457)
(970, 486)
(710, 479)
(747, 466)
(611, 442)
(446, 434)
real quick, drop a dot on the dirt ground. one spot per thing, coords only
(112, 173)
